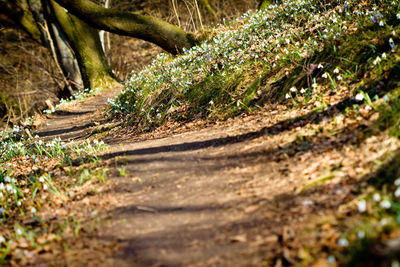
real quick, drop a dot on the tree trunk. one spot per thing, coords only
(18, 11)
(264, 4)
(85, 42)
(169, 37)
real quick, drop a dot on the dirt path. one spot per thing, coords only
(226, 195)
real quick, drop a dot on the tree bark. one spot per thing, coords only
(169, 37)
(86, 44)
(18, 11)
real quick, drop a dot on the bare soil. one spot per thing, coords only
(243, 192)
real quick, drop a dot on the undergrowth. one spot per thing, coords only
(31, 177)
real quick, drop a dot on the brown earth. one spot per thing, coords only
(248, 191)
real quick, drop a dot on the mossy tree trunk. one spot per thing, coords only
(33, 17)
(85, 42)
(72, 24)
(264, 4)
(169, 37)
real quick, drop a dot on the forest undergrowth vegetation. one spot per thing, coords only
(334, 61)
(37, 176)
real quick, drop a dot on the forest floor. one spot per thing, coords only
(261, 189)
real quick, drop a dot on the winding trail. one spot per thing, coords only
(225, 195)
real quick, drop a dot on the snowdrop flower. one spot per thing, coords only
(9, 188)
(2, 239)
(320, 66)
(293, 89)
(398, 16)
(386, 98)
(385, 204)
(376, 197)
(41, 179)
(362, 205)
(368, 108)
(359, 97)
(336, 70)
(381, 23)
(331, 259)
(397, 192)
(343, 242)
(2, 186)
(360, 234)
(19, 232)
(7, 179)
(302, 91)
(287, 96)
(377, 60)
(45, 187)
(391, 42)
(384, 55)
(18, 203)
(325, 75)
(339, 78)
(384, 221)
(33, 210)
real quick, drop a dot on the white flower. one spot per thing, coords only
(391, 42)
(19, 232)
(287, 96)
(362, 205)
(33, 210)
(41, 179)
(336, 70)
(377, 60)
(45, 187)
(360, 234)
(302, 91)
(18, 203)
(384, 221)
(359, 97)
(339, 77)
(386, 98)
(397, 182)
(320, 66)
(381, 23)
(9, 188)
(293, 89)
(343, 242)
(325, 75)
(385, 204)
(2, 186)
(384, 56)
(368, 108)
(376, 197)
(398, 16)
(397, 192)
(2, 239)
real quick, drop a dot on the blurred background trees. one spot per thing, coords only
(37, 64)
